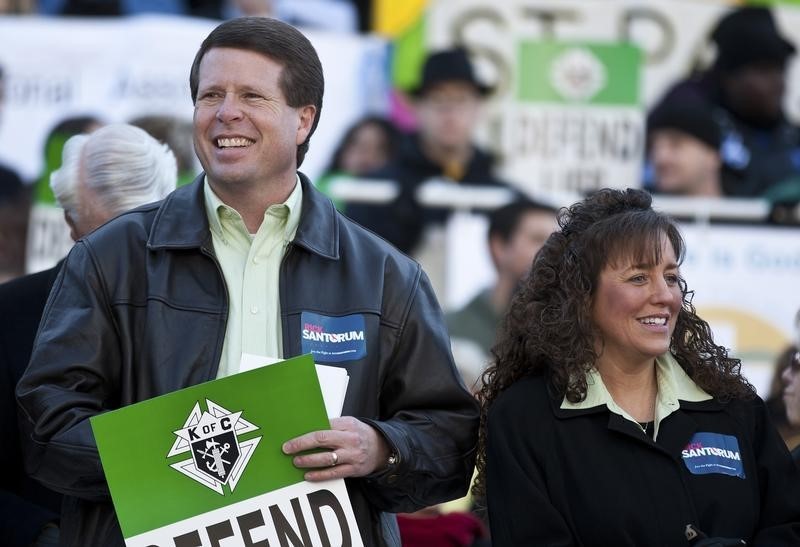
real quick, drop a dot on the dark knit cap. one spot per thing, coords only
(450, 65)
(749, 35)
(691, 119)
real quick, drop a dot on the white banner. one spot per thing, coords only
(555, 149)
(120, 68)
(672, 34)
(746, 283)
(49, 238)
(314, 514)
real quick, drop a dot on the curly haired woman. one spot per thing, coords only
(610, 416)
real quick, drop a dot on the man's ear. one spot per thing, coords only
(306, 115)
(73, 230)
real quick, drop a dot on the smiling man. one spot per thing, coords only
(244, 260)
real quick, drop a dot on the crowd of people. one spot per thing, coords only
(724, 131)
(582, 387)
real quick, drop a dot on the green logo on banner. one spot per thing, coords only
(583, 73)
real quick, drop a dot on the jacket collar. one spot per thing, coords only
(675, 389)
(181, 221)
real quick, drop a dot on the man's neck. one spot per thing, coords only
(252, 201)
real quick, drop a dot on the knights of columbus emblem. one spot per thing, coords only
(212, 439)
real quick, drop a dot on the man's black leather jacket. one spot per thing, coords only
(139, 309)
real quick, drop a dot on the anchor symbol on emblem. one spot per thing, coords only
(216, 455)
(215, 462)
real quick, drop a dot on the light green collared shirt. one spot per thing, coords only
(673, 385)
(250, 265)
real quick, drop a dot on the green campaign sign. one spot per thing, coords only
(202, 464)
(580, 72)
(576, 122)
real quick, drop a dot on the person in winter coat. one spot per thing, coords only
(610, 416)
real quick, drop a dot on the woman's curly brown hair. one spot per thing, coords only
(549, 329)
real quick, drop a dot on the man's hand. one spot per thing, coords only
(354, 449)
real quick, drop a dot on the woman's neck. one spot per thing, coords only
(633, 389)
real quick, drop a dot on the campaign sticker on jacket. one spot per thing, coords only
(709, 453)
(333, 339)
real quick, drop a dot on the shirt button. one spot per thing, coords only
(255, 260)
(254, 309)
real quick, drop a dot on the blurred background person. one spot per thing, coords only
(177, 135)
(108, 8)
(791, 393)
(246, 8)
(46, 242)
(367, 145)
(744, 89)
(610, 416)
(516, 233)
(447, 106)
(790, 431)
(788, 372)
(53, 150)
(683, 151)
(114, 169)
(13, 213)
(10, 181)
(17, 6)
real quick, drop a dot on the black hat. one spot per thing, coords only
(691, 119)
(749, 35)
(451, 65)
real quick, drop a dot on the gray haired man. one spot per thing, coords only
(103, 174)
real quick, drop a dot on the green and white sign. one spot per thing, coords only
(578, 73)
(203, 466)
(575, 124)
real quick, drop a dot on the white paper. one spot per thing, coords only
(332, 380)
